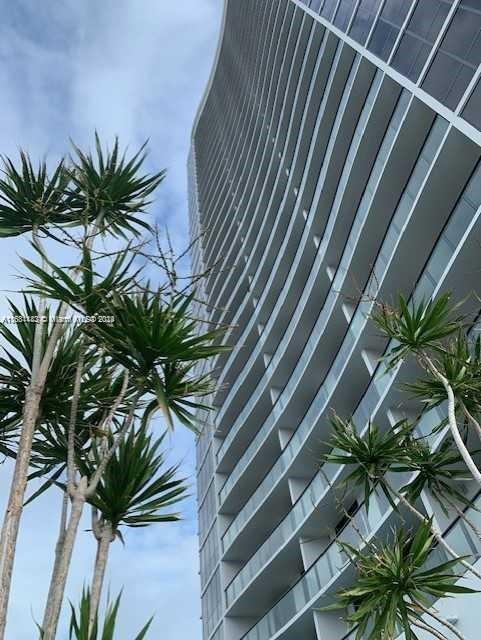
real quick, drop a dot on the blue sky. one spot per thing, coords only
(136, 69)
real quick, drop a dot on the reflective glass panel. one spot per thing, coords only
(421, 33)
(472, 111)
(363, 21)
(328, 9)
(315, 5)
(458, 57)
(344, 13)
(388, 26)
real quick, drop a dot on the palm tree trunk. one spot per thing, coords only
(103, 547)
(58, 551)
(441, 621)
(13, 514)
(59, 580)
(453, 425)
(79, 497)
(434, 529)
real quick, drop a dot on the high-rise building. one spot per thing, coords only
(334, 161)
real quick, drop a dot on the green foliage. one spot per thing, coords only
(31, 198)
(159, 344)
(417, 327)
(460, 363)
(438, 471)
(89, 291)
(136, 490)
(110, 186)
(79, 622)
(393, 583)
(372, 454)
(106, 186)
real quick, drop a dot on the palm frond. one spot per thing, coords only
(109, 185)
(137, 488)
(32, 197)
(416, 326)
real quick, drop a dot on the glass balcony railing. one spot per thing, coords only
(320, 578)
(464, 217)
(333, 296)
(358, 322)
(239, 421)
(437, 47)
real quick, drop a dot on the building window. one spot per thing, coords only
(343, 14)
(212, 605)
(364, 19)
(328, 9)
(421, 33)
(315, 5)
(472, 111)
(458, 56)
(388, 26)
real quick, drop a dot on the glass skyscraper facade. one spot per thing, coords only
(335, 161)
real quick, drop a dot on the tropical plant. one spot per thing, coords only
(80, 628)
(396, 584)
(440, 472)
(435, 334)
(376, 453)
(110, 374)
(135, 491)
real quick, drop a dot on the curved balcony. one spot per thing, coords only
(281, 67)
(351, 247)
(331, 571)
(389, 259)
(266, 204)
(339, 140)
(376, 201)
(311, 126)
(263, 33)
(267, 211)
(375, 401)
(274, 21)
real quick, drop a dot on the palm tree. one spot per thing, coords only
(155, 344)
(148, 354)
(436, 337)
(395, 586)
(104, 196)
(440, 472)
(377, 453)
(80, 628)
(134, 491)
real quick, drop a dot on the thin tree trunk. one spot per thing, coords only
(431, 630)
(79, 497)
(71, 473)
(11, 523)
(103, 547)
(14, 509)
(441, 621)
(71, 466)
(463, 516)
(52, 611)
(58, 551)
(453, 425)
(434, 529)
(471, 419)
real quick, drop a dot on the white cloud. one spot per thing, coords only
(136, 69)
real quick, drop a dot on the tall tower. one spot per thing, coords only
(335, 160)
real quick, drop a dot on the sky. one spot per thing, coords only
(136, 69)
